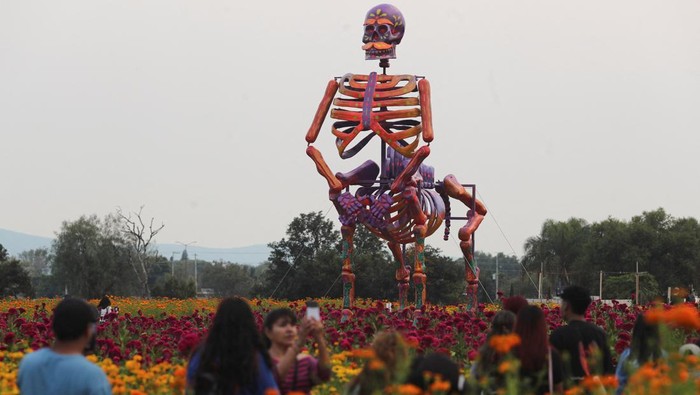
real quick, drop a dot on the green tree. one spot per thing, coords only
(623, 286)
(227, 279)
(557, 248)
(14, 279)
(3, 254)
(667, 248)
(37, 262)
(294, 263)
(374, 268)
(90, 258)
(173, 287)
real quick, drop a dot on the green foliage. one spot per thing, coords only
(300, 264)
(226, 279)
(37, 262)
(14, 279)
(91, 260)
(624, 286)
(374, 268)
(508, 269)
(574, 251)
(173, 287)
(3, 254)
(310, 259)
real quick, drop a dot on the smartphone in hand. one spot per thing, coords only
(312, 310)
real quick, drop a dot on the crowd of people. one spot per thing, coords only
(236, 358)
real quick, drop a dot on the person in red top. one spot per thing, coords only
(296, 372)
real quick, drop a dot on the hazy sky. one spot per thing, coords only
(198, 110)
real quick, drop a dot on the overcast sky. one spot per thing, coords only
(198, 110)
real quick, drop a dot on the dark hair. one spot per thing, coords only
(577, 297)
(71, 318)
(501, 324)
(274, 316)
(104, 303)
(646, 342)
(534, 347)
(229, 354)
(514, 303)
(434, 364)
(390, 349)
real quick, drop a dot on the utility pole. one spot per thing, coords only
(496, 276)
(195, 274)
(636, 286)
(600, 286)
(172, 264)
(539, 288)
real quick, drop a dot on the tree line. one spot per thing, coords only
(115, 255)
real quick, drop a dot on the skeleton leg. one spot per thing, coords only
(402, 273)
(419, 277)
(411, 168)
(419, 230)
(334, 184)
(455, 190)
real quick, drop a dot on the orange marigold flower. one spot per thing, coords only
(440, 386)
(504, 367)
(180, 371)
(610, 381)
(272, 391)
(376, 364)
(363, 353)
(408, 389)
(503, 343)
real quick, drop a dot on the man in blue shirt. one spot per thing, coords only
(62, 369)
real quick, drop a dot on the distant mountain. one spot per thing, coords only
(250, 255)
(15, 243)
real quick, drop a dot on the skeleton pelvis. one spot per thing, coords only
(389, 216)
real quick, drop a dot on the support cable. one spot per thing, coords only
(294, 262)
(507, 241)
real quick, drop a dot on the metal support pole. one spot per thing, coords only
(195, 274)
(496, 276)
(636, 287)
(600, 286)
(539, 286)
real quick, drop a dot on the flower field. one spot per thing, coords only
(144, 348)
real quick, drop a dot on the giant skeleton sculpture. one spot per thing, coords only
(398, 201)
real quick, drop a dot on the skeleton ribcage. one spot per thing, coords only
(388, 107)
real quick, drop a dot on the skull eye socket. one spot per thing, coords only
(369, 29)
(383, 29)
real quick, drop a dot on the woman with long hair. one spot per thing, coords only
(388, 365)
(488, 360)
(645, 346)
(232, 359)
(297, 372)
(540, 364)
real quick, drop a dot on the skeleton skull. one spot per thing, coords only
(384, 29)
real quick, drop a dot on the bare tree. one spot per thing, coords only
(139, 238)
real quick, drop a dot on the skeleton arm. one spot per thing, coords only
(334, 184)
(426, 110)
(322, 111)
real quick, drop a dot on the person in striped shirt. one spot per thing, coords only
(296, 372)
